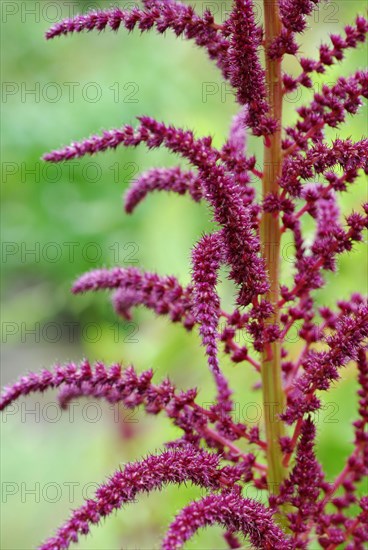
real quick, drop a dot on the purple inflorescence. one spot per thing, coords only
(230, 510)
(246, 73)
(154, 472)
(164, 295)
(162, 179)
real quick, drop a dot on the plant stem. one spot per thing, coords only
(273, 395)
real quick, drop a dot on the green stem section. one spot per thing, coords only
(273, 394)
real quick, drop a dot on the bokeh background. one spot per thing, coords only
(61, 221)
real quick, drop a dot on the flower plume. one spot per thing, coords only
(154, 472)
(164, 295)
(163, 179)
(230, 510)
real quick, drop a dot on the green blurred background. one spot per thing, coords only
(71, 217)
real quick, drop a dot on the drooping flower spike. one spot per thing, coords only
(162, 15)
(164, 295)
(125, 386)
(154, 472)
(229, 509)
(207, 258)
(163, 179)
(246, 73)
(225, 197)
(124, 382)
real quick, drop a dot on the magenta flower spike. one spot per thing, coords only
(296, 177)
(246, 73)
(232, 511)
(164, 295)
(154, 472)
(162, 179)
(162, 15)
